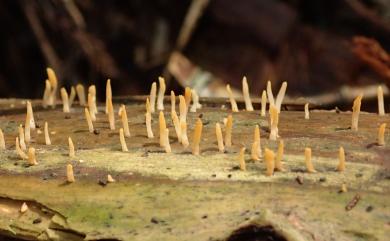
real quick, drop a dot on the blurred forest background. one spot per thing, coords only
(317, 46)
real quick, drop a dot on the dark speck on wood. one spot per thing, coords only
(154, 220)
(299, 179)
(37, 220)
(369, 208)
(102, 183)
(359, 174)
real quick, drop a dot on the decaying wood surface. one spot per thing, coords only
(180, 196)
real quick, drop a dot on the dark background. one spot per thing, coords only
(308, 43)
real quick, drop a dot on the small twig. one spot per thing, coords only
(43, 42)
(195, 11)
(74, 13)
(353, 202)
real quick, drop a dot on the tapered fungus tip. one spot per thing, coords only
(110, 112)
(148, 120)
(108, 96)
(269, 158)
(184, 138)
(280, 96)
(80, 91)
(307, 113)
(19, 151)
(110, 179)
(256, 139)
(233, 102)
(49, 70)
(173, 101)
(92, 108)
(187, 96)
(279, 157)
(381, 105)
(69, 174)
(71, 148)
(241, 159)
(51, 97)
(29, 124)
(23, 208)
(254, 152)
(52, 77)
(30, 116)
(123, 140)
(245, 92)
(343, 188)
(356, 111)
(197, 136)
(218, 132)
(341, 165)
(176, 124)
(228, 131)
(161, 93)
(167, 145)
(47, 136)
(72, 96)
(308, 161)
(46, 94)
(270, 95)
(125, 122)
(182, 109)
(2, 141)
(381, 134)
(153, 93)
(162, 127)
(263, 103)
(31, 156)
(147, 105)
(22, 135)
(89, 120)
(65, 100)
(273, 121)
(195, 101)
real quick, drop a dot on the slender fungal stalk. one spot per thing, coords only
(122, 140)
(228, 131)
(47, 136)
(218, 132)
(245, 92)
(356, 111)
(153, 91)
(233, 102)
(241, 159)
(161, 93)
(381, 105)
(269, 158)
(263, 103)
(308, 162)
(381, 134)
(197, 136)
(81, 94)
(341, 166)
